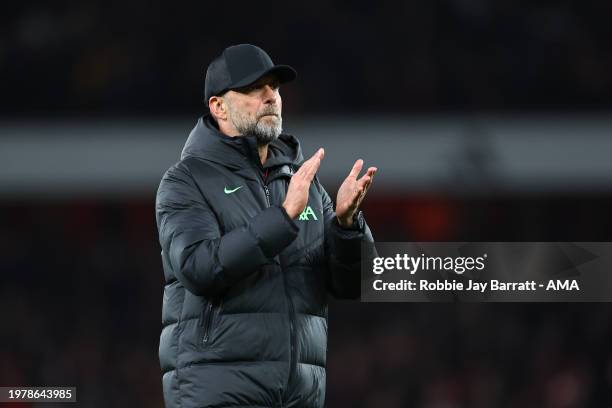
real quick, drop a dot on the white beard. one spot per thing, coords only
(265, 131)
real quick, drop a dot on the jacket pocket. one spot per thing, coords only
(211, 310)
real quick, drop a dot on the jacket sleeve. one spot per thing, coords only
(345, 249)
(203, 260)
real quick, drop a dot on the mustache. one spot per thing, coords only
(269, 111)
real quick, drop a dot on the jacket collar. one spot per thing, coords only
(240, 153)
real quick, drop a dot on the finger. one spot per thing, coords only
(356, 168)
(369, 175)
(304, 168)
(317, 164)
(366, 188)
(371, 172)
(318, 154)
(313, 165)
(313, 169)
(363, 182)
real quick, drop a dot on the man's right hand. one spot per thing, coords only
(297, 193)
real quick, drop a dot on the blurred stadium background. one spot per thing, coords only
(488, 121)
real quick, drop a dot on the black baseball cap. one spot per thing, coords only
(241, 65)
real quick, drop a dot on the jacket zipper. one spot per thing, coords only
(207, 323)
(292, 357)
(267, 191)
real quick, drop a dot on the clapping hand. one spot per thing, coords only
(351, 193)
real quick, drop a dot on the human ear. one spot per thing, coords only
(217, 107)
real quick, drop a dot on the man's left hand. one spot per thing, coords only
(351, 193)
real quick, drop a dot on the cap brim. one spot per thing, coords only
(284, 73)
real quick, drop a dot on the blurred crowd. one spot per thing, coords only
(81, 299)
(470, 355)
(141, 57)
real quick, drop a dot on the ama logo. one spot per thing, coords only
(562, 285)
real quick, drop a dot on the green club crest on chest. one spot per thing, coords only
(307, 215)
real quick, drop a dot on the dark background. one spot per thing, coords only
(82, 283)
(144, 57)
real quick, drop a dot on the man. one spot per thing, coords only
(251, 245)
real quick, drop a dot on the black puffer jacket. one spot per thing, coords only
(245, 299)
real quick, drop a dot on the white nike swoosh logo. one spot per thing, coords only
(230, 191)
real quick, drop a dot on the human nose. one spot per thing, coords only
(269, 94)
